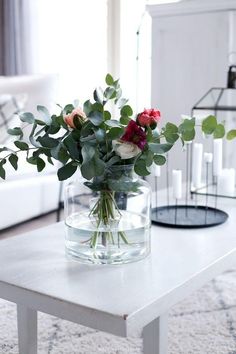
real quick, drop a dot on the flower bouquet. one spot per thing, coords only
(107, 151)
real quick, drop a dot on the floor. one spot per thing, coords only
(29, 225)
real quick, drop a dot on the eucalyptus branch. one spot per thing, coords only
(16, 151)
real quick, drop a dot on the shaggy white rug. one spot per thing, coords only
(205, 323)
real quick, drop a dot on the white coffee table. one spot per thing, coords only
(128, 300)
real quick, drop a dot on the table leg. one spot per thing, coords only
(155, 336)
(27, 330)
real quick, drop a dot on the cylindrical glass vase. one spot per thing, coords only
(107, 219)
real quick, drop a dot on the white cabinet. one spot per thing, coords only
(191, 42)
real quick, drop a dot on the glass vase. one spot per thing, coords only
(107, 219)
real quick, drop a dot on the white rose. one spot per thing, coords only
(125, 150)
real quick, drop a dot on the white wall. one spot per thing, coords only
(72, 41)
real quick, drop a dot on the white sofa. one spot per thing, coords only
(26, 193)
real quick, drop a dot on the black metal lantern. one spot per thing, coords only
(219, 98)
(220, 101)
(232, 77)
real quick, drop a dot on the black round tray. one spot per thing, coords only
(189, 216)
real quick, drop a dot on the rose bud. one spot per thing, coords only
(125, 150)
(149, 118)
(76, 118)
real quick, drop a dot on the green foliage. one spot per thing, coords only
(92, 165)
(121, 102)
(47, 142)
(187, 129)
(109, 79)
(95, 117)
(170, 132)
(21, 145)
(231, 134)
(115, 133)
(126, 111)
(219, 131)
(2, 170)
(40, 164)
(27, 117)
(44, 115)
(66, 171)
(13, 159)
(98, 95)
(109, 93)
(124, 120)
(16, 131)
(209, 124)
(140, 167)
(68, 109)
(88, 144)
(113, 123)
(72, 147)
(160, 148)
(159, 160)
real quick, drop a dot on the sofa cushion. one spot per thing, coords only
(41, 89)
(10, 107)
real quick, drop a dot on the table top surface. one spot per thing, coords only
(36, 261)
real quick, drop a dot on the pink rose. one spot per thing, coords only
(149, 118)
(76, 118)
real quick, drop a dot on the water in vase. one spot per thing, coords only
(124, 241)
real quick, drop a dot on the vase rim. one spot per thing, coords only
(129, 165)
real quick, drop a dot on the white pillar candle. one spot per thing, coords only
(226, 181)
(208, 157)
(217, 157)
(156, 170)
(197, 165)
(177, 183)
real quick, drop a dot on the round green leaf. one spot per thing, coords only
(27, 117)
(115, 133)
(106, 115)
(66, 171)
(96, 118)
(188, 135)
(159, 160)
(140, 168)
(219, 131)
(124, 120)
(231, 134)
(126, 111)
(209, 124)
(109, 80)
(110, 92)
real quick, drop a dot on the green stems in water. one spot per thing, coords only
(106, 212)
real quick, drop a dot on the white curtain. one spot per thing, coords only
(15, 37)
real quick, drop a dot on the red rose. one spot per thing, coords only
(134, 134)
(149, 118)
